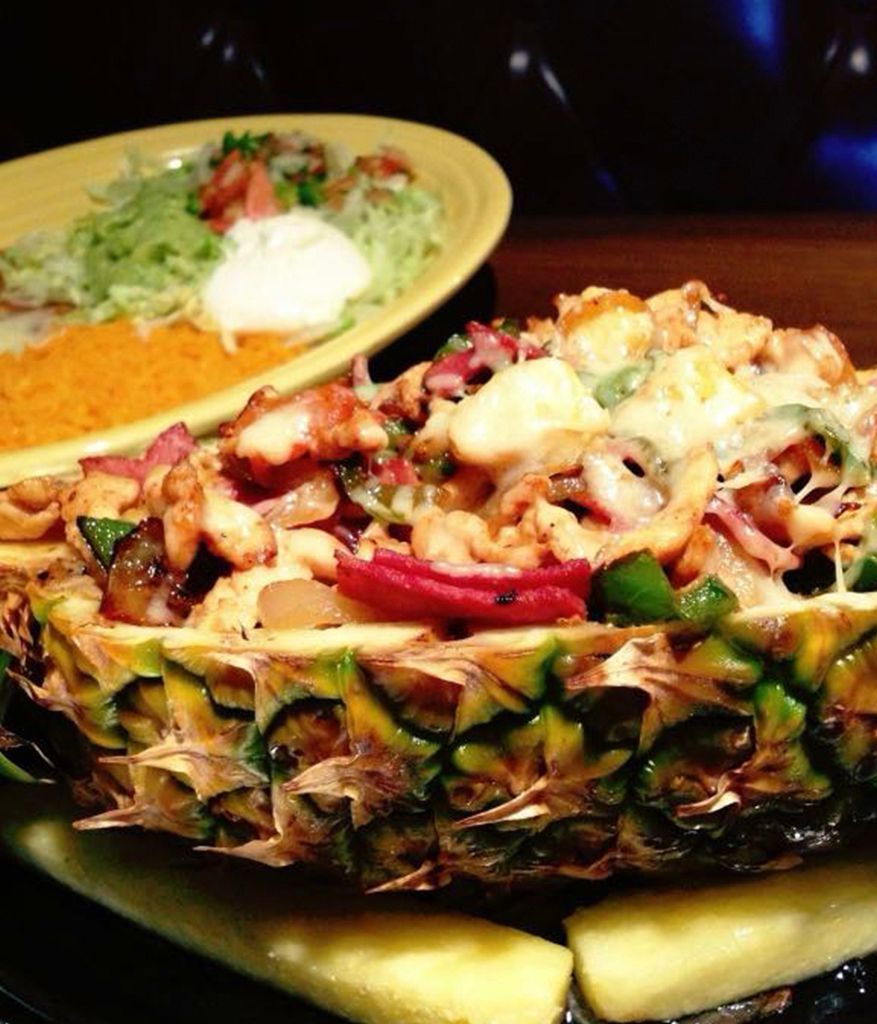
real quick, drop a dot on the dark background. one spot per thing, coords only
(591, 105)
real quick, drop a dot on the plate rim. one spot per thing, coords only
(469, 244)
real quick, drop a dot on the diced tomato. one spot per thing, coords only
(384, 164)
(260, 200)
(395, 471)
(229, 183)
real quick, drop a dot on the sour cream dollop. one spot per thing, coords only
(285, 274)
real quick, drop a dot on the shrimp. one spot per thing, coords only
(433, 437)
(405, 396)
(602, 329)
(376, 535)
(30, 509)
(327, 422)
(464, 538)
(196, 511)
(691, 315)
(233, 602)
(816, 352)
(565, 536)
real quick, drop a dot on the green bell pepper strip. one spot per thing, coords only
(635, 590)
(102, 536)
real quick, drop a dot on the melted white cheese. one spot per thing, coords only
(786, 388)
(277, 434)
(603, 330)
(285, 274)
(847, 404)
(689, 400)
(535, 416)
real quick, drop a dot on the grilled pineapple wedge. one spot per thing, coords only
(377, 961)
(697, 948)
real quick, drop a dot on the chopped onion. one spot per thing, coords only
(307, 604)
(312, 501)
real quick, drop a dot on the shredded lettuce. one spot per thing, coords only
(142, 256)
(145, 255)
(398, 236)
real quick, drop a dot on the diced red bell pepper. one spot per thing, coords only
(491, 349)
(170, 447)
(408, 590)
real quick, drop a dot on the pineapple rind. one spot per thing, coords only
(807, 635)
(506, 755)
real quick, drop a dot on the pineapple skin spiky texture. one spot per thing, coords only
(403, 760)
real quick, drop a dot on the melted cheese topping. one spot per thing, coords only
(603, 330)
(532, 416)
(688, 401)
(276, 433)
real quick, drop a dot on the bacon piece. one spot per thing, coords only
(491, 349)
(169, 448)
(412, 588)
(574, 575)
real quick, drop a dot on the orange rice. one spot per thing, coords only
(88, 377)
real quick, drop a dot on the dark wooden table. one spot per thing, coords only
(797, 269)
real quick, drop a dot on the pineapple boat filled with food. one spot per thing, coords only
(587, 597)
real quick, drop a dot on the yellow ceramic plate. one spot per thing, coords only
(47, 190)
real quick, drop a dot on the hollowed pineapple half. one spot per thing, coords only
(400, 760)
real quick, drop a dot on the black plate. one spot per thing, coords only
(66, 960)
